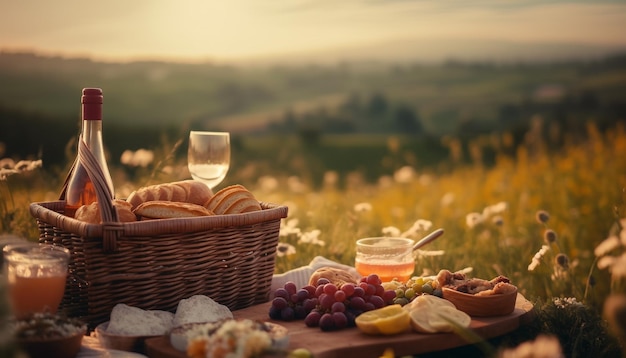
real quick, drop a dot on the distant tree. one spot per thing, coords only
(406, 120)
(339, 125)
(290, 120)
(352, 105)
(309, 134)
(377, 105)
(472, 127)
(588, 101)
(508, 113)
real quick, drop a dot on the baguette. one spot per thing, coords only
(234, 199)
(185, 191)
(162, 209)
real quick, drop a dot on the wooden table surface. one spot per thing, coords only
(351, 342)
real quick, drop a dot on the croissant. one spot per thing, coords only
(234, 199)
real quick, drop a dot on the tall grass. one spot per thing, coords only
(496, 218)
(581, 188)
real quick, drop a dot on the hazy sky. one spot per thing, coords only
(235, 29)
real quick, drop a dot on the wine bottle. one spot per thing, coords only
(80, 190)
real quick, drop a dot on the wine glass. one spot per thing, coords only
(208, 156)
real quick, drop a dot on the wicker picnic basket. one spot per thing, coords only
(154, 264)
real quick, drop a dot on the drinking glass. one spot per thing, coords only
(36, 275)
(208, 156)
(388, 257)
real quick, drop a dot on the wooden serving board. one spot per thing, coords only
(351, 342)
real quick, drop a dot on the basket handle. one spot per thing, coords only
(111, 227)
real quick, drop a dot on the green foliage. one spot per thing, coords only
(149, 103)
(564, 157)
(582, 205)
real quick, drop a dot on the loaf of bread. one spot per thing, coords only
(234, 199)
(91, 213)
(163, 209)
(335, 275)
(200, 308)
(133, 321)
(186, 191)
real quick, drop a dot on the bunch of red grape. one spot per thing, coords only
(291, 303)
(327, 306)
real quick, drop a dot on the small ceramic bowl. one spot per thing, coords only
(120, 342)
(63, 347)
(482, 306)
(49, 336)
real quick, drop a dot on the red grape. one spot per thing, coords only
(348, 288)
(281, 292)
(309, 304)
(319, 290)
(373, 279)
(377, 301)
(340, 296)
(279, 303)
(357, 303)
(327, 323)
(326, 301)
(287, 314)
(380, 290)
(312, 319)
(340, 320)
(370, 289)
(338, 307)
(322, 281)
(302, 294)
(291, 287)
(330, 289)
(310, 289)
(389, 295)
(358, 292)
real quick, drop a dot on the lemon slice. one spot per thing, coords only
(446, 318)
(422, 301)
(420, 321)
(388, 320)
(431, 314)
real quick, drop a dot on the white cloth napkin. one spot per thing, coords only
(300, 276)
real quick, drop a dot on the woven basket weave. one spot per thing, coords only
(154, 264)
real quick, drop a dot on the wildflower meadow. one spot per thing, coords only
(554, 222)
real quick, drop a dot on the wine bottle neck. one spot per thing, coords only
(92, 133)
(92, 104)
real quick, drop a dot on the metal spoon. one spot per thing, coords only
(427, 239)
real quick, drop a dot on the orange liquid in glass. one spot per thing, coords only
(35, 294)
(387, 271)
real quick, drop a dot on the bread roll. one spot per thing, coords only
(187, 191)
(91, 213)
(335, 275)
(234, 199)
(162, 209)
